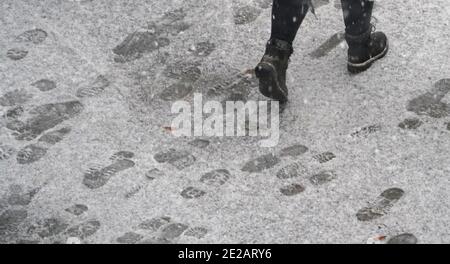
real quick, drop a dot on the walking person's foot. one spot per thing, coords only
(271, 71)
(365, 49)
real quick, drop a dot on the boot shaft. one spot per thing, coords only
(278, 53)
(279, 49)
(358, 46)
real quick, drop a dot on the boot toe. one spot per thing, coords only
(378, 43)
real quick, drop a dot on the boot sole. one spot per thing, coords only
(360, 67)
(268, 82)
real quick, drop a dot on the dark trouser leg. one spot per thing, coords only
(287, 16)
(357, 15)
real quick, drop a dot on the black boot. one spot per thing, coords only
(271, 71)
(365, 49)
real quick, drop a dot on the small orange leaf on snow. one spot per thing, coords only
(249, 72)
(169, 129)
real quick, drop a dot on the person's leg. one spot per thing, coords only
(365, 47)
(287, 16)
(357, 15)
